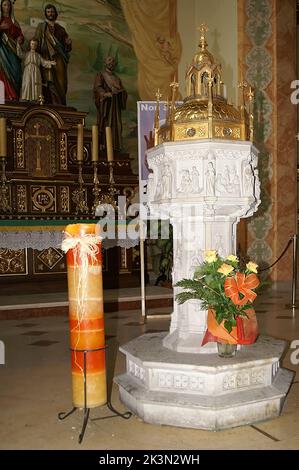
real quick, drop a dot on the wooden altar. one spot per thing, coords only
(42, 174)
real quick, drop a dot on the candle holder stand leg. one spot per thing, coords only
(96, 188)
(109, 197)
(4, 188)
(79, 195)
(63, 415)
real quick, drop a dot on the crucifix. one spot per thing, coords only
(39, 138)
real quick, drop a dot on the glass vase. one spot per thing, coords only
(226, 350)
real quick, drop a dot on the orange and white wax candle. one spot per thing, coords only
(86, 315)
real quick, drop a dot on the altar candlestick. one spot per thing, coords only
(80, 150)
(109, 144)
(3, 138)
(95, 144)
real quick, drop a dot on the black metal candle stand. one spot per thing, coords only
(64, 415)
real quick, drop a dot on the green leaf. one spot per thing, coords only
(219, 317)
(188, 284)
(184, 296)
(228, 325)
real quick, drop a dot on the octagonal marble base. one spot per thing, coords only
(203, 391)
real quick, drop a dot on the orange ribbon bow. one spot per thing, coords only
(241, 284)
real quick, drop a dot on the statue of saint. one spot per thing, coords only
(54, 44)
(248, 185)
(10, 64)
(167, 182)
(195, 180)
(185, 185)
(110, 99)
(32, 79)
(210, 179)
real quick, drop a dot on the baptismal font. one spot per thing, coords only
(203, 179)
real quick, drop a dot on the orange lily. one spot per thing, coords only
(241, 284)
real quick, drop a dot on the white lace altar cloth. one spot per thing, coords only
(40, 240)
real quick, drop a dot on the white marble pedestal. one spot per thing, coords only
(203, 188)
(203, 391)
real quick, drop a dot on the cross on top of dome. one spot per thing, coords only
(203, 29)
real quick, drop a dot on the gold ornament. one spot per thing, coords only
(206, 112)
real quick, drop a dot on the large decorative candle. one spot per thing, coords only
(80, 143)
(86, 317)
(95, 144)
(109, 145)
(3, 137)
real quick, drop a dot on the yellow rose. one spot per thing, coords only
(210, 256)
(251, 266)
(232, 258)
(225, 269)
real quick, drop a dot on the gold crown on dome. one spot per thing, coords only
(205, 112)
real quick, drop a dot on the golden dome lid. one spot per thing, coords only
(205, 112)
(195, 110)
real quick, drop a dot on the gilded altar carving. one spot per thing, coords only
(43, 199)
(13, 262)
(50, 257)
(5, 198)
(42, 176)
(40, 146)
(65, 199)
(63, 152)
(19, 149)
(21, 198)
(49, 261)
(123, 261)
(73, 154)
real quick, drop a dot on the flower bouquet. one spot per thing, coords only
(227, 291)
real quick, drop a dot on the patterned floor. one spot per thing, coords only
(35, 384)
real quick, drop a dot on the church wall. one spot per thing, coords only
(221, 18)
(285, 185)
(156, 42)
(267, 59)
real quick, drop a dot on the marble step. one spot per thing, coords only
(205, 411)
(161, 369)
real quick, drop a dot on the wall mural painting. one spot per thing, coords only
(97, 29)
